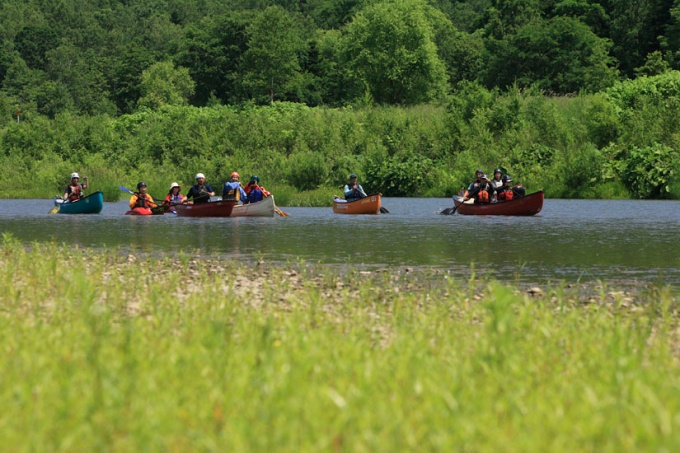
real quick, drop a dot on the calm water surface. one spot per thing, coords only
(569, 240)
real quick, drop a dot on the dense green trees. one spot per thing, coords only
(87, 57)
(568, 87)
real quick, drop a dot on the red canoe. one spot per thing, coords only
(211, 209)
(526, 206)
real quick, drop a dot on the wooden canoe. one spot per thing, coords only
(366, 205)
(91, 204)
(525, 206)
(263, 208)
(210, 209)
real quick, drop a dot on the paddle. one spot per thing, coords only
(280, 212)
(383, 210)
(125, 189)
(55, 209)
(449, 211)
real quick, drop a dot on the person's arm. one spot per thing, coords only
(210, 190)
(265, 192)
(348, 191)
(152, 203)
(133, 201)
(361, 189)
(86, 184)
(67, 192)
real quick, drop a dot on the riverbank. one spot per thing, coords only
(126, 351)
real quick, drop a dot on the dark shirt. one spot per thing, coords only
(200, 194)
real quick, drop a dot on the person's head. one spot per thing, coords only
(174, 188)
(141, 187)
(200, 178)
(352, 178)
(234, 176)
(75, 177)
(497, 174)
(484, 177)
(507, 179)
(254, 179)
(479, 174)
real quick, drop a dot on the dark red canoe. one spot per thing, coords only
(211, 209)
(528, 205)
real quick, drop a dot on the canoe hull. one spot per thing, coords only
(211, 209)
(524, 206)
(263, 208)
(139, 211)
(367, 205)
(91, 204)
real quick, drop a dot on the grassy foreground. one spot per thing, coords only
(100, 350)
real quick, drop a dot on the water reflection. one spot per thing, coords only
(570, 239)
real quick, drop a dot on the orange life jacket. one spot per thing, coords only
(482, 196)
(76, 192)
(142, 201)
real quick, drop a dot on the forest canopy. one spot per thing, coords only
(115, 56)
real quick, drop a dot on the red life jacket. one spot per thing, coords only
(76, 192)
(482, 196)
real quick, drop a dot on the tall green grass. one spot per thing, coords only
(113, 351)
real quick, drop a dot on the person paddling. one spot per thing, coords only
(353, 190)
(141, 199)
(255, 191)
(174, 197)
(200, 192)
(233, 190)
(74, 191)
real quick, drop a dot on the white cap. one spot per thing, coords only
(173, 185)
(200, 175)
(75, 175)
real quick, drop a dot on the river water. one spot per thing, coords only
(570, 240)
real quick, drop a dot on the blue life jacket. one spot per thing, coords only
(255, 195)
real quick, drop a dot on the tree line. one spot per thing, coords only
(91, 57)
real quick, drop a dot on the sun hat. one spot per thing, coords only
(173, 185)
(75, 175)
(200, 175)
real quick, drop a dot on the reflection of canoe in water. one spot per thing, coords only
(524, 206)
(144, 211)
(263, 208)
(366, 205)
(91, 204)
(210, 209)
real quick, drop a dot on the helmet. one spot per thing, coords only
(75, 175)
(173, 185)
(140, 185)
(479, 172)
(255, 178)
(200, 175)
(507, 178)
(498, 170)
(234, 175)
(352, 176)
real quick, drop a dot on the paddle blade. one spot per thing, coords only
(125, 189)
(54, 210)
(279, 212)
(448, 211)
(384, 210)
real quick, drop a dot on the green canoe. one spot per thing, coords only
(91, 204)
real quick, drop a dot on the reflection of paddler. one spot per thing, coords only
(200, 192)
